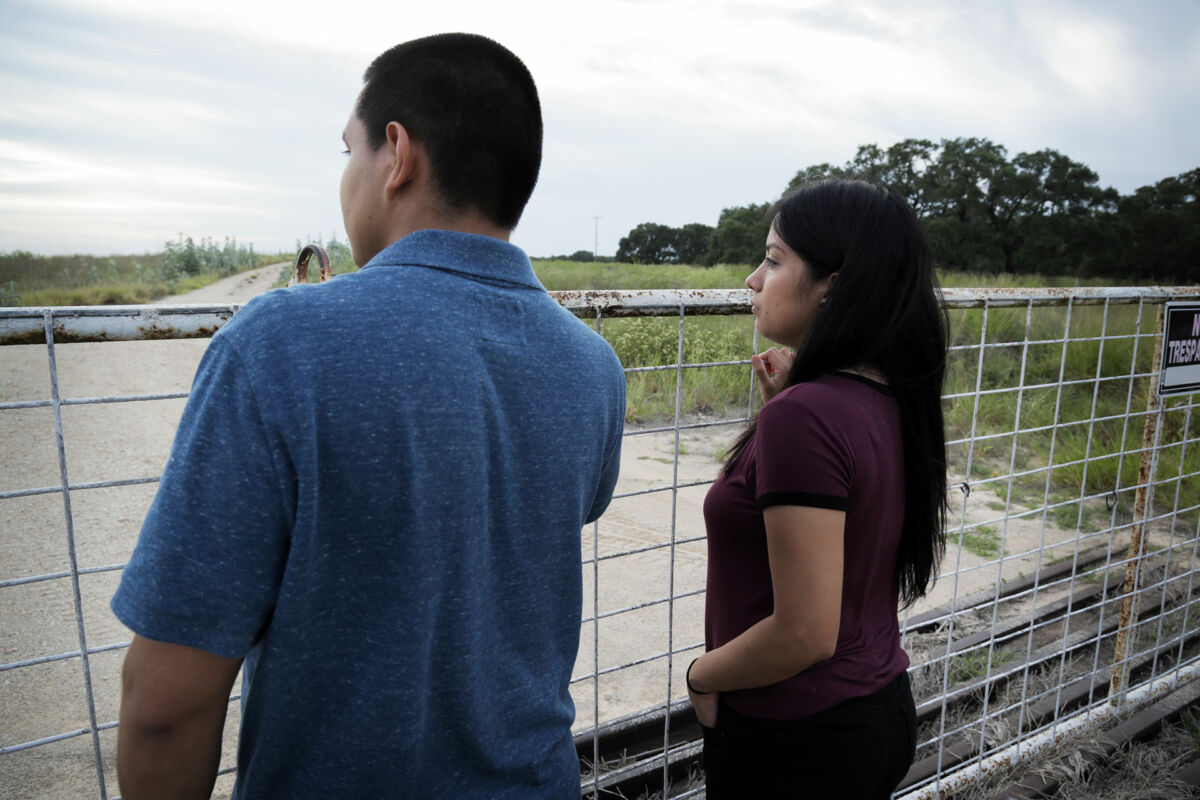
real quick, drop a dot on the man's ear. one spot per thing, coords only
(403, 154)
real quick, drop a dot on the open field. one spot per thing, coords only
(1036, 393)
(29, 279)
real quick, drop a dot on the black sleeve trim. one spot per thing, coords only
(810, 499)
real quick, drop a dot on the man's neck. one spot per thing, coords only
(476, 226)
(462, 223)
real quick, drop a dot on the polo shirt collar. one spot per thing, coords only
(454, 251)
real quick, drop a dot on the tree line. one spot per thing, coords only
(183, 258)
(1039, 212)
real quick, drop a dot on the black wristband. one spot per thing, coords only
(687, 678)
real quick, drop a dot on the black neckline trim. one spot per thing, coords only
(876, 385)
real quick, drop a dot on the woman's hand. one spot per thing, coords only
(705, 706)
(771, 368)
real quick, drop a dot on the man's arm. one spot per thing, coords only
(173, 701)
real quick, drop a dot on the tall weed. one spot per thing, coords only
(29, 279)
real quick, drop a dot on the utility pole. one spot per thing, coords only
(596, 244)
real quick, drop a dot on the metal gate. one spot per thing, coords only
(1068, 587)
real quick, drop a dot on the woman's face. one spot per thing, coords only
(786, 300)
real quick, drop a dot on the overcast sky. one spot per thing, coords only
(124, 122)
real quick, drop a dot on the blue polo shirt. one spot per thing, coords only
(375, 497)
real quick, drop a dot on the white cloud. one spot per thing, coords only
(663, 110)
(90, 173)
(79, 106)
(1089, 58)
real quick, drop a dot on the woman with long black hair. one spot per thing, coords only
(829, 513)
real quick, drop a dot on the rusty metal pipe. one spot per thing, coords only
(306, 254)
(113, 323)
(1061, 295)
(126, 323)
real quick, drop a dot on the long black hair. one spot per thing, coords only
(882, 312)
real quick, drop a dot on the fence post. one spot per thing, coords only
(1141, 510)
(72, 552)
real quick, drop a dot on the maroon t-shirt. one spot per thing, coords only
(834, 442)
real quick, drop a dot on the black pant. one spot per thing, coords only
(861, 748)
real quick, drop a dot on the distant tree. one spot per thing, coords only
(1038, 212)
(1054, 228)
(648, 243)
(1160, 230)
(1010, 194)
(955, 185)
(181, 259)
(903, 166)
(942, 182)
(184, 258)
(815, 173)
(692, 243)
(586, 256)
(740, 236)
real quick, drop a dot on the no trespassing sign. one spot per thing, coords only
(1179, 372)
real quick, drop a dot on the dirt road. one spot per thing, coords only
(234, 289)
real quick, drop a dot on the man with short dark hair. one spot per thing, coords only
(376, 490)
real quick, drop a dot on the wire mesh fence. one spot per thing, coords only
(1075, 522)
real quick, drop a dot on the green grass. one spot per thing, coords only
(1069, 384)
(979, 280)
(974, 664)
(106, 294)
(982, 540)
(654, 342)
(33, 280)
(27, 279)
(564, 275)
(1079, 516)
(1071, 379)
